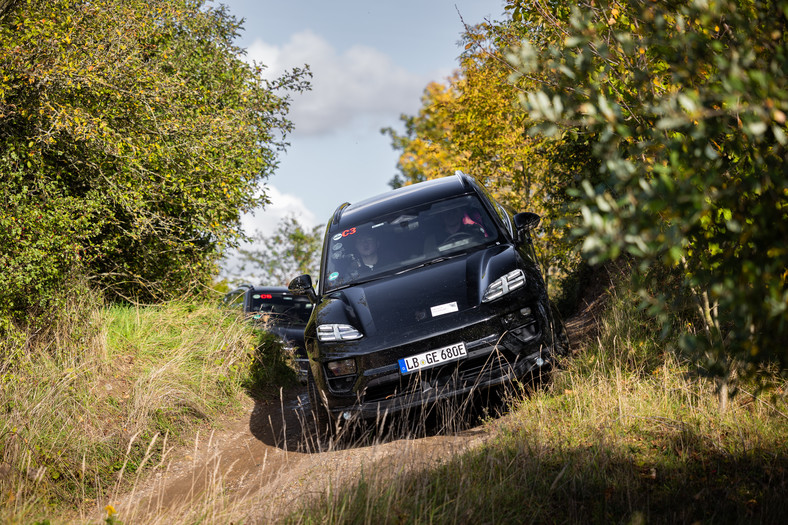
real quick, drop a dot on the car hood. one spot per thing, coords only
(396, 309)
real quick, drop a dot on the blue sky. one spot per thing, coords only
(371, 61)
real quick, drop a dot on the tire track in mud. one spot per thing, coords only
(264, 463)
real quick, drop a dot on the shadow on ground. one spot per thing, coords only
(287, 422)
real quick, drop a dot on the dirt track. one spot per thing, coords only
(268, 460)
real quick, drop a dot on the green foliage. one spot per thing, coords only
(688, 104)
(132, 136)
(290, 251)
(271, 366)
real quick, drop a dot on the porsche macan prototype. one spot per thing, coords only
(426, 292)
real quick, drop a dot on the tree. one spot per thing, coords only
(132, 137)
(688, 103)
(474, 123)
(290, 251)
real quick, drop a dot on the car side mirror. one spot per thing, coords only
(302, 285)
(525, 222)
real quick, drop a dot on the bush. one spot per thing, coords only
(132, 136)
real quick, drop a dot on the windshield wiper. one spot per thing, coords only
(389, 272)
(431, 262)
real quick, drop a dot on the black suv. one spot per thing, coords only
(426, 292)
(278, 311)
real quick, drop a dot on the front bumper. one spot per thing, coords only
(423, 390)
(495, 359)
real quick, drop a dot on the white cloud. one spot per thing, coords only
(265, 222)
(359, 85)
(282, 205)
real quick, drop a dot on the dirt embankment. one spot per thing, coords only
(269, 460)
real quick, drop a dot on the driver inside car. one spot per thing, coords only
(455, 225)
(367, 248)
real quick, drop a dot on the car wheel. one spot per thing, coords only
(319, 410)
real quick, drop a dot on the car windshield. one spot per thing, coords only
(406, 239)
(280, 309)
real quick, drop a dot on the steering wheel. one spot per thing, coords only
(454, 237)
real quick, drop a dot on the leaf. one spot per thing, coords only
(757, 128)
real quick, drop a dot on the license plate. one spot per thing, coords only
(414, 363)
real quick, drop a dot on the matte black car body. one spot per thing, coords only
(278, 311)
(433, 296)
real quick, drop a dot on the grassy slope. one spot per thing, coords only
(625, 433)
(103, 399)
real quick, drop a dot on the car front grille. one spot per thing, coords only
(444, 379)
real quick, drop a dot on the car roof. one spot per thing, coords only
(348, 215)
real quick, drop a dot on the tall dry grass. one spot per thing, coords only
(105, 394)
(625, 432)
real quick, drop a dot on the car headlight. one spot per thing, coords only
(337, 332)
(504, 285)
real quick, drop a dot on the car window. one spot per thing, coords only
(507, 221)
(499, 209)
(280, 309)
(235, 298)
(407, 238)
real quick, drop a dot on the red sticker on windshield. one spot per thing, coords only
(350, 231)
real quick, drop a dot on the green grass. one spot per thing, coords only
(100, 401)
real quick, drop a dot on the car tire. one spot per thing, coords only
(319, 411)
